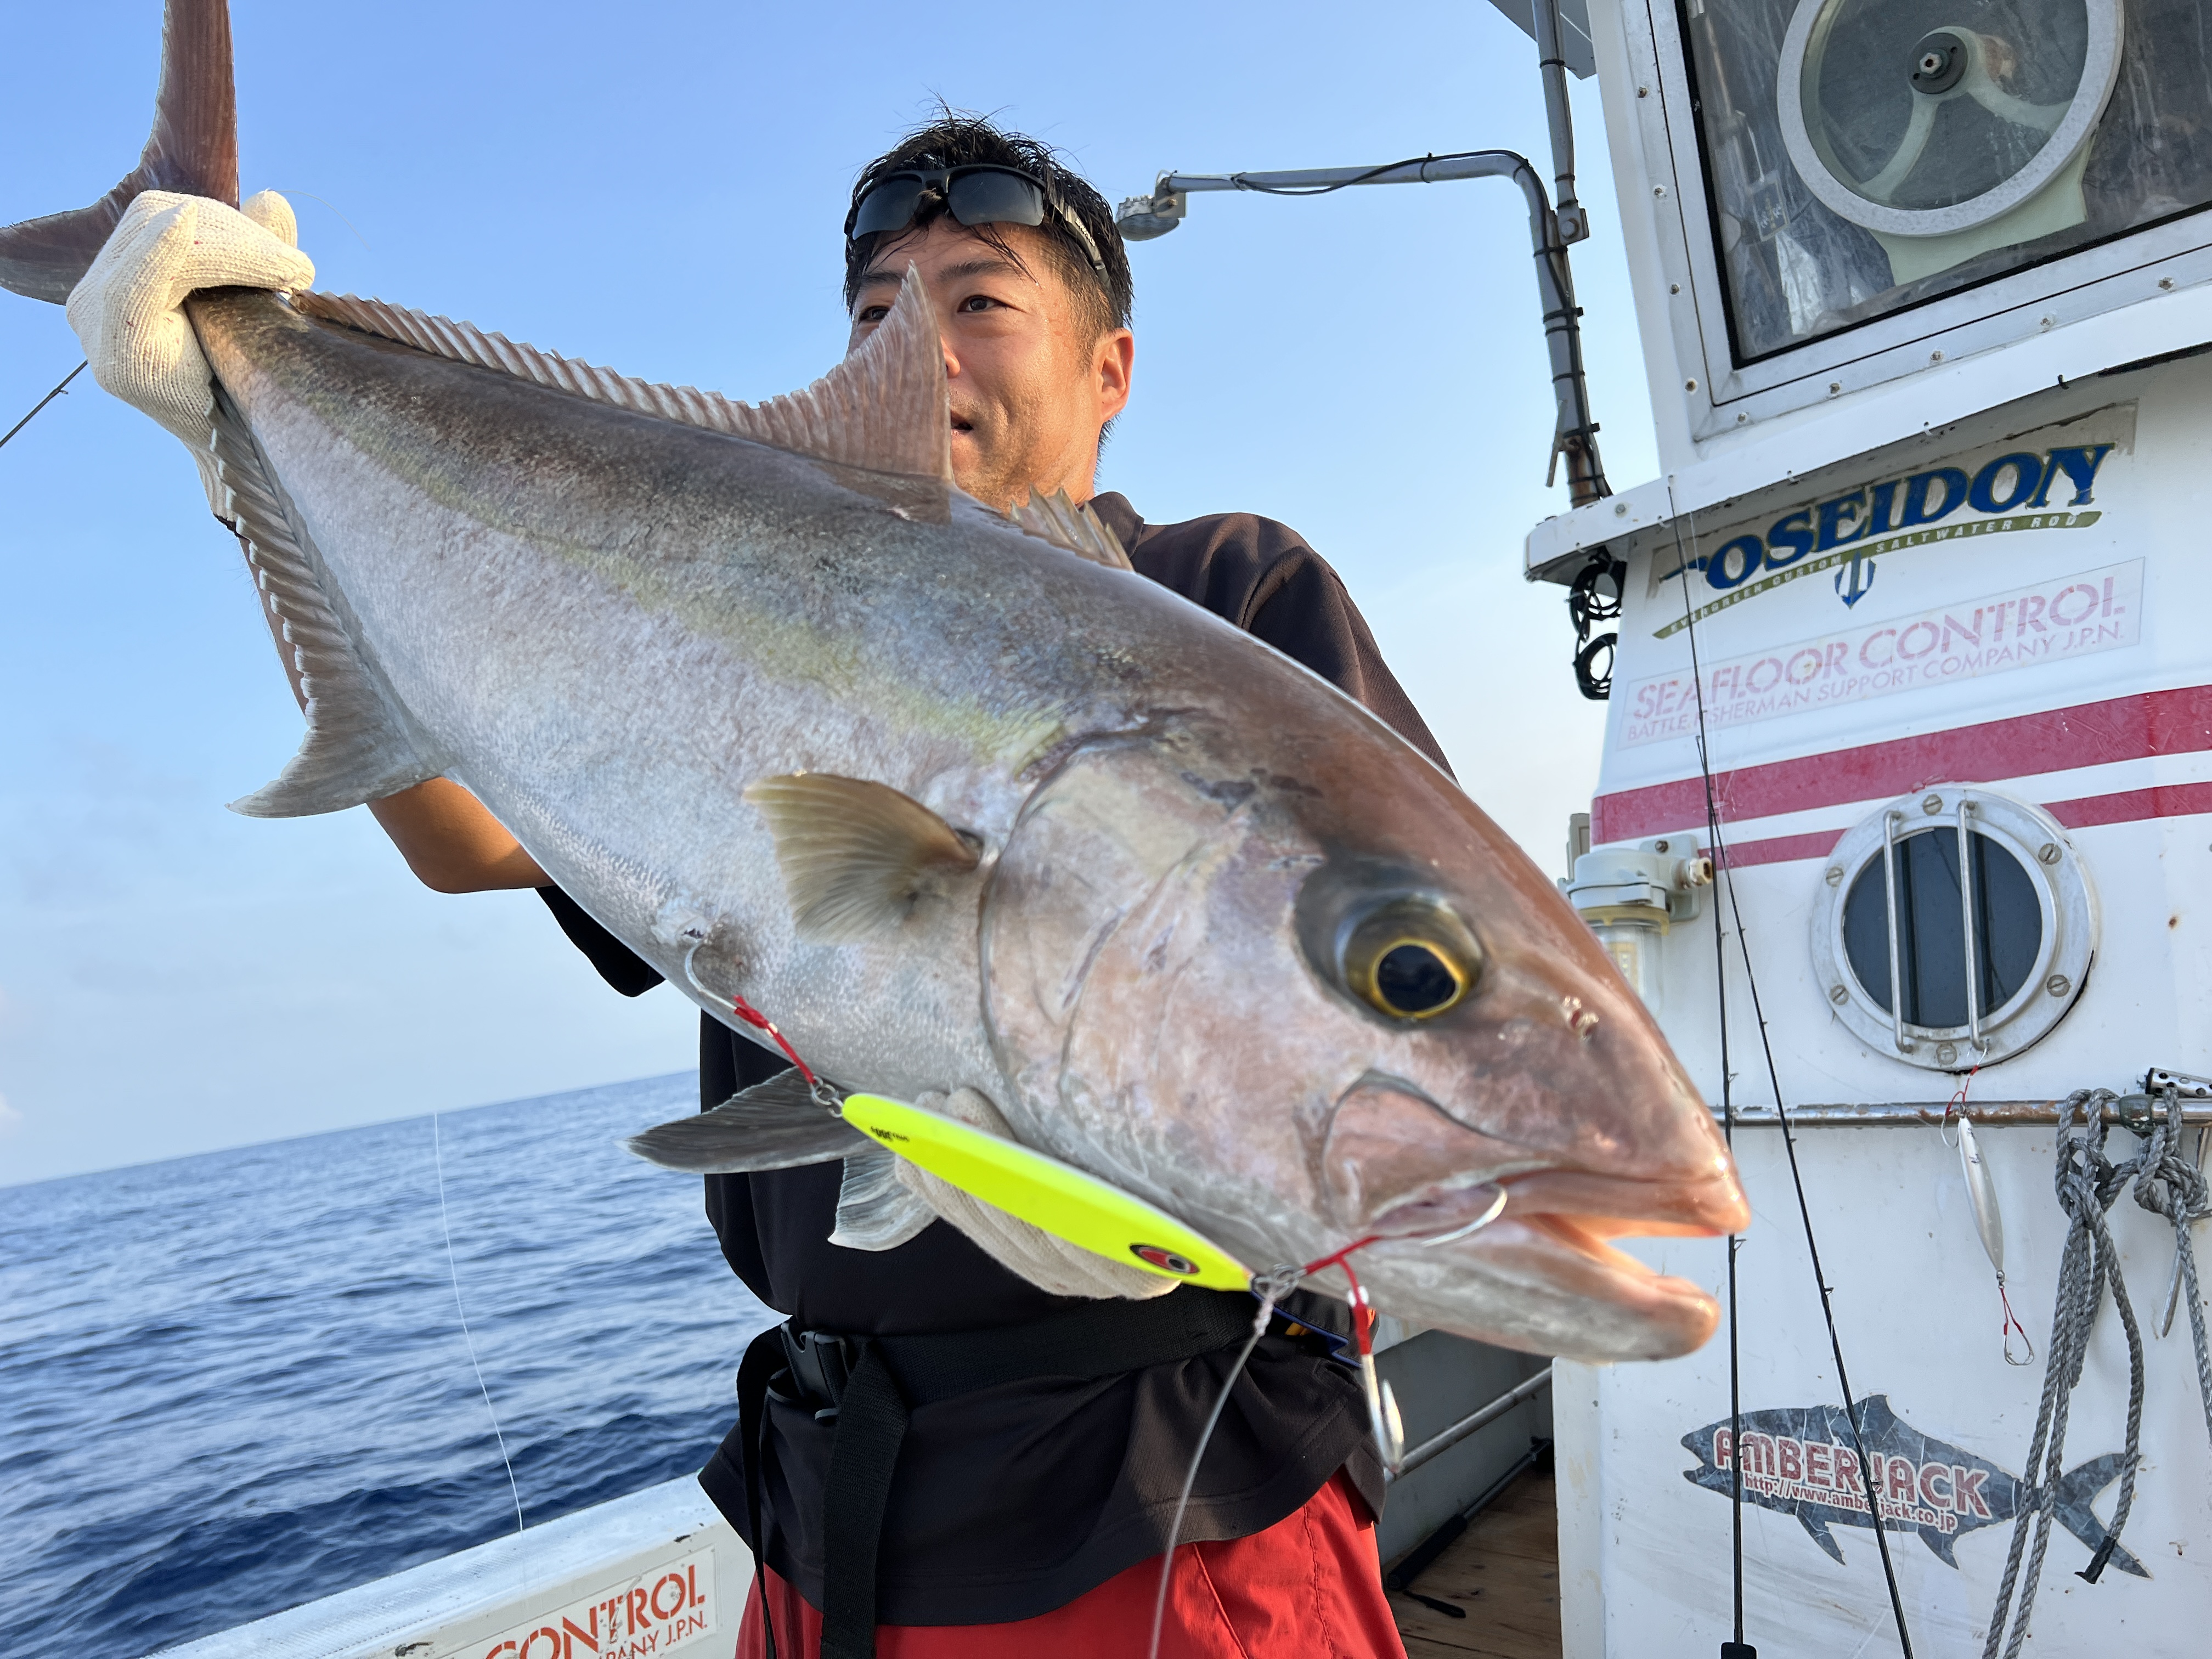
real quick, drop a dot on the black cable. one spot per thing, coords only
(1241, 181)
(44, 401)
(1796, 1174)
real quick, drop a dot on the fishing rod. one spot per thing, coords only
(43, 402)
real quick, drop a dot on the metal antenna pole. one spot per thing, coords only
(1574, 223)
(1574, 434)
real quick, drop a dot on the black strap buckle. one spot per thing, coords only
(820, 1364)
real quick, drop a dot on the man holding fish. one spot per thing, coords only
(1028, 1514)
(825, 709)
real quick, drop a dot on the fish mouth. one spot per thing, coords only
(1555, 1229)
(1581, 1209)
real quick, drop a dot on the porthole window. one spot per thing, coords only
(1955, 928)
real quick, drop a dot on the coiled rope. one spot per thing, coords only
(2088, 1184)
(2173, 1187)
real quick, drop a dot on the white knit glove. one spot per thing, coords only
(128, 311)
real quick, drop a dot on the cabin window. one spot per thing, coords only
(1956, 927)
(1935, 955)
(1864, 156)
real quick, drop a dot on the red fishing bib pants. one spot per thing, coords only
(1309, 1587)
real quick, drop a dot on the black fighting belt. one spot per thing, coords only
(866, 1385)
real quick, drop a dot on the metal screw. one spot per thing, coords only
(1673, 287)
(2058, 985)
(1935, 356)
(1643, 92)
(1834, 386)
(1835, 875)
(2166, 281)
(1658, 845)
(1620, 509)
(1946, 1054)
(1689, 386)
(2051, 322)
(1839, 995)
(1740, 419)
(2048, 853)
(1932, 806)
(1658, 190)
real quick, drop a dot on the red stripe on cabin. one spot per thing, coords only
(2177, 722)
(2166, 800)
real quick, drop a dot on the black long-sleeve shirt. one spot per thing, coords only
(1014, 1500)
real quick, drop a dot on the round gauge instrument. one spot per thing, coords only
(1914, 119)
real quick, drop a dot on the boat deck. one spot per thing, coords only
(1504, 1570)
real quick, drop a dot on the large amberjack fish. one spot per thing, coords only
(976, 815)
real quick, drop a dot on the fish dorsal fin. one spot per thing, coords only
(775, 1125)
(1079, 530)
(884, 409)
(856, 856)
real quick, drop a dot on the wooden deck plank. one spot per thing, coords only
(1504, 1570)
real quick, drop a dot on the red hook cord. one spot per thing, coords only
(760, 1022)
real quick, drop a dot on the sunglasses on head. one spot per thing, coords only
(983, 194)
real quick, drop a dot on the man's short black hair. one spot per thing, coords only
(956, 139)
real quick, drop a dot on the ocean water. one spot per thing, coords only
(231, 1384)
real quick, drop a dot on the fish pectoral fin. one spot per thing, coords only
(856, 856)
(775, 1125)
(874, 1212)
(1076, 529)
(357, 749)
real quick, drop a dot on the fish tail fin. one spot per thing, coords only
(192, 149)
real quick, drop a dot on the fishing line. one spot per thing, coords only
(437, 1151)
(1728, 1131)
(1788, 1141)
(1269, 1288)
(44, 401)
(333, 207)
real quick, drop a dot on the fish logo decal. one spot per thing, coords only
(1799, 1461)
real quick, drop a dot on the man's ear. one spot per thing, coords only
(1111, 361)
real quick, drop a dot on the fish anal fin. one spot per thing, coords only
(1074, 529)
(885, 409)
(192, 149)
(856, 856)
(775, 1125)
(874, 1211)
(357, 749)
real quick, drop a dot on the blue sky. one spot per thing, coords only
(660, 189)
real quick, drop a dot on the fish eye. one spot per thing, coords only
(1410, 959)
